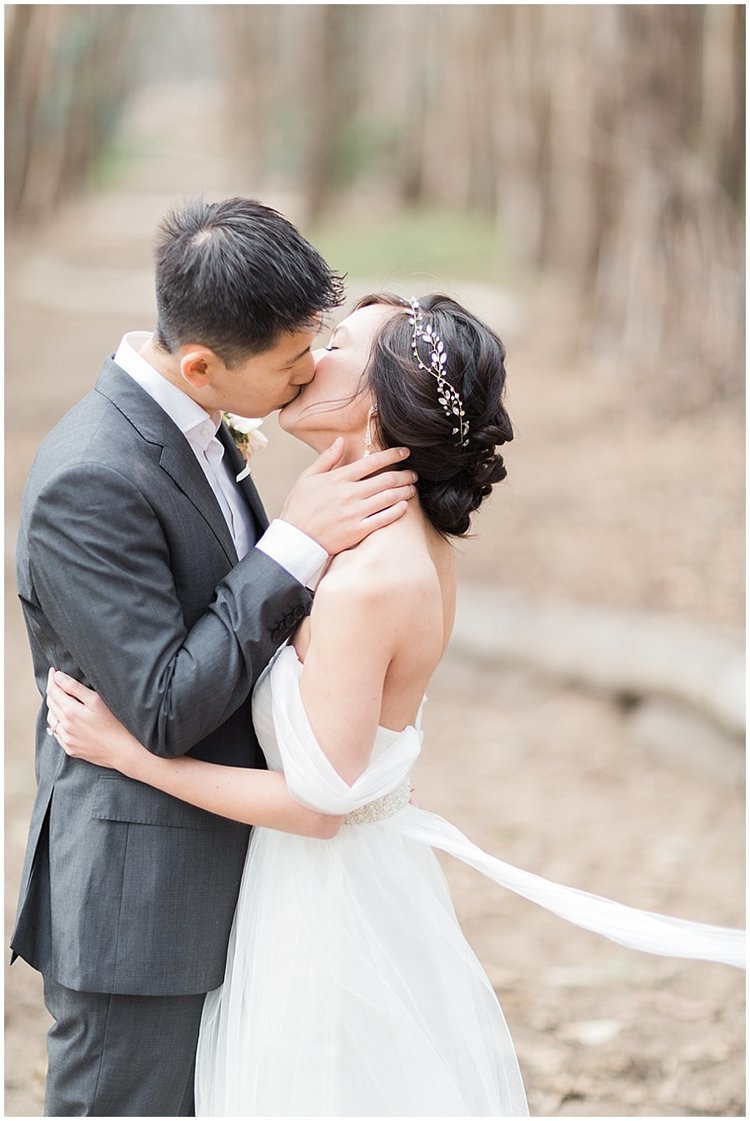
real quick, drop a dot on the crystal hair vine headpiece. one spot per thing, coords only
(448, 397)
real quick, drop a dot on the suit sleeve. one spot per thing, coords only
(100, 568)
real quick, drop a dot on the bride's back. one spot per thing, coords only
(414, 569)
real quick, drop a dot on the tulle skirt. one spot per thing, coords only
(350, 990)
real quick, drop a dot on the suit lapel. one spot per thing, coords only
(181, 465)
(177, 457)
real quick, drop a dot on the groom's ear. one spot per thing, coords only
(197, 364)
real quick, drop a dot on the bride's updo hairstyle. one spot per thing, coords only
(457, 466)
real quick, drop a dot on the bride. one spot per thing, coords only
(349, 987)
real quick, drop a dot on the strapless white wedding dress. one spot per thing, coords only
(350, 989)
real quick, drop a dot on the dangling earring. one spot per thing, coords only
(368, 431)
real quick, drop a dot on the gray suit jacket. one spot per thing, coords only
(129, 581)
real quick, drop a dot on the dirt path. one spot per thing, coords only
(603, 505)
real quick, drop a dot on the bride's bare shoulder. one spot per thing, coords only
(398, 587)
(396, 560)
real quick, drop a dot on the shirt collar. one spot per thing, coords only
(186, 413)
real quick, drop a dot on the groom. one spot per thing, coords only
(147, 571)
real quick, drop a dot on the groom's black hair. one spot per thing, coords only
(235, 275)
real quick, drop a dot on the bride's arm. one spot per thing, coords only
(86, 729)
(354, 630)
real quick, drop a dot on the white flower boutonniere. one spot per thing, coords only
(247, 437)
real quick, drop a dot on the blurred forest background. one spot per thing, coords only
(605, 143)
(576, 175)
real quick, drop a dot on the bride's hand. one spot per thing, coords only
(85, 728)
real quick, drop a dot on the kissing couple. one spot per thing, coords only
(192, 689)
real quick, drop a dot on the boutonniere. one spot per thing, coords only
(245, 431)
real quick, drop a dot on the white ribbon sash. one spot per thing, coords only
(638, 930)
(313, 780)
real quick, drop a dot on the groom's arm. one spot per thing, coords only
(101, 573)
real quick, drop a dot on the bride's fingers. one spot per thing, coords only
(62, 687)
(60, 711)
(54, 698)
(73, 688)
(55, 717)
(56, 723)
(59, 697)
(59, 704)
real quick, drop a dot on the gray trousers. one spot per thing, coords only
(120, 1056)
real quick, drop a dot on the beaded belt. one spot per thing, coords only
(381, 808)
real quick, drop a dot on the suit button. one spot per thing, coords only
(299, 612)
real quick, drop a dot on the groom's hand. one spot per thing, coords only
(339, 506)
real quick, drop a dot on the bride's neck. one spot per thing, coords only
(354, 449)
(354, 445)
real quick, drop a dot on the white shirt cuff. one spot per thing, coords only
(303, 558)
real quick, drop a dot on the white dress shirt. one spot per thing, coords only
(302, 557)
